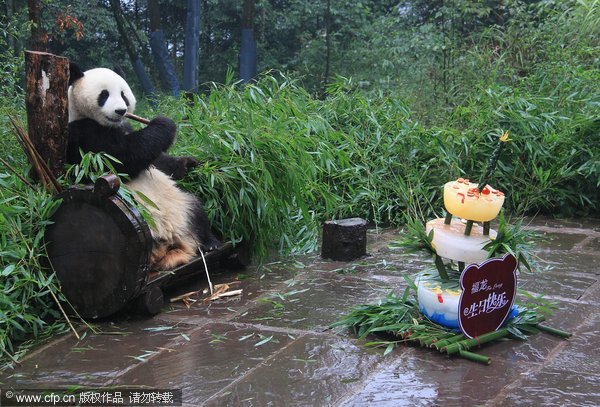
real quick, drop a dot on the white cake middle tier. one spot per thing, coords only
(450, 242)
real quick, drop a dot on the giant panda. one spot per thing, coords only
(98, 99)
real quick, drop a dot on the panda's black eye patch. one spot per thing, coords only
(125, 98)
(103, 97)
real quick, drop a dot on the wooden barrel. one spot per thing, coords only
(99, 248)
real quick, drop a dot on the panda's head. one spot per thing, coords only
(99, 94)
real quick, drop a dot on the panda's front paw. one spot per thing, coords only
(161, 129)
(181, 166)
(164, 123)
(190, 162)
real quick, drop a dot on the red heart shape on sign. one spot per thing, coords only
(488, 294)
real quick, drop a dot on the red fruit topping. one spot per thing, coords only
(485, 190)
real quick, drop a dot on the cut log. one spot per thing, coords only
(344, 239)
(99, 249)
(47, 109)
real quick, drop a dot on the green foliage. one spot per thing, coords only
(278, 161)
(513, 239)
(392, 314)
(26, 306)
(94, 165)
(264, 149)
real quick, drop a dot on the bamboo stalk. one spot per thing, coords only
(64, 314)
(503, 139)
(16, 173)
(486, 228)
(419, 339)
(475, 357)
(443, 343)
(469, 343)
(448, 218)
(137, 118)
(427, 342)
(468, 227)
(44, 173)
(553, 331)
(440, 339)
(441, 268)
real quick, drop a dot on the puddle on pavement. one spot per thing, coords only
(559, 241)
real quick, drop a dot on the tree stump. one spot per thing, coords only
(344, 239)
(47, 106)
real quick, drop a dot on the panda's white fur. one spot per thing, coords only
(175, 242)
(173, 207)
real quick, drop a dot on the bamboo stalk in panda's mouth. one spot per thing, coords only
(137, 118)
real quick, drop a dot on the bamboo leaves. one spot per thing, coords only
(402, 319)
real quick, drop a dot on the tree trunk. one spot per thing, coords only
(39, 37)
(166, 70)
(136, 62)
(327, 45)
(46, 102)
(206, 36)
(10, 11)
(191, 47)
(248, 65)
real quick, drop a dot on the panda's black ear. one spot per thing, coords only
(75, 72)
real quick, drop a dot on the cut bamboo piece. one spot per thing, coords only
(137, 118)
(475, 357)
(469, 343)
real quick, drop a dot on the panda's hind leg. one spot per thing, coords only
(169, 255)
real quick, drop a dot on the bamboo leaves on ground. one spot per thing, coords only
(401, 319)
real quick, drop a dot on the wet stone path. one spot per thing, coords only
(271, 345)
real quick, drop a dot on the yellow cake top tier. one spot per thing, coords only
(463, 199)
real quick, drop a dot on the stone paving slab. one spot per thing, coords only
(551, 387)
(96, 358)
(271, 345)
(315, 302)
(421, 378)
(315, 370)
(214, 356)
